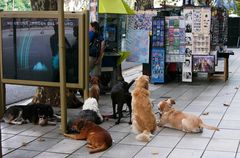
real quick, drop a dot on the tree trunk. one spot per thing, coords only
(50, 95)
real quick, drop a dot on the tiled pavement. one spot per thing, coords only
(199, 97)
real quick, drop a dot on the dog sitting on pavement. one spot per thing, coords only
(90, 112)
(143, 118)
(34, 113)
(180, 120)
(98, 139)
(120, 95)
(94, 90)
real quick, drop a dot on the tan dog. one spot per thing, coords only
(95, 90)
(180, 120)
(143, 119)
(98, 139)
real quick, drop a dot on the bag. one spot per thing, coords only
(94, 48)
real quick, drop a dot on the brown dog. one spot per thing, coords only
(98, 139)
(143, 119)
(180, 120)
(95, 90)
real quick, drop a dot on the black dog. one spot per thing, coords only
(89, 115)
(120, 95)
(34, 113)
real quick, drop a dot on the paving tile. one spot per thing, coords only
(122, 127)
(108, 124)
(56, 133)
(38, 130)
(6, 150)
(83, 152)
(67, 146)
(185, 153)
(122, 150)
(214, 109)
(194, 108)
(153, 152)
(223, 145)
(164, 141)
(16, 129)
(227, 134)
(214, 116)
(171, 132)
(238, 155)
(205, 134)
(21, 154)
(41, 144)
(6, 136)
(4, 125)
(17, 141)
(220, 154)
(118, 136)
(193, 143)
(131, 140)
(51, 155)
(231, 117)
(230, 124)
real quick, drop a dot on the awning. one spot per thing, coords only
(114, 7)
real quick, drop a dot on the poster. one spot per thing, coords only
(157, 66)
(203, 63)
(137, 38)
(175, 39)
(187, 65)
(198, 22)
(158, 50)
(138, 44)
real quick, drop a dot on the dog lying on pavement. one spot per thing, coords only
(120, 95)
(34, 113)
(90, 112)
(180, 120)
(98, 139)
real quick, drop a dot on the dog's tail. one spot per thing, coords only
(99, 149)
(130, 84)
(145, 136)
(208, 127)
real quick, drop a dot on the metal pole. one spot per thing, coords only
(86, 55)
(62, 63)
(2, 87)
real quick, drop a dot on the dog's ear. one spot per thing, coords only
(163, 106)
(171, 101)
(80, 124)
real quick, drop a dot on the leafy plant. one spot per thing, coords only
(10, 5)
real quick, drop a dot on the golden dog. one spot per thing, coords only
(98, 139)
(180, 120)
(95, 90)
(143, 119)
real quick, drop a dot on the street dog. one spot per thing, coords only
(34, 113)
(98, 139)
(90, 112)
(95, 90)
(180, 120)
(143, 118)
(92, 104)
(120, 95)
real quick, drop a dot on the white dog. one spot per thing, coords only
(92, 104)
